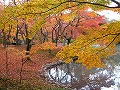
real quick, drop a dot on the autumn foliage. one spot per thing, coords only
(44, 46)
(45, 25)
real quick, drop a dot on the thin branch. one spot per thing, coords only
(116, 2)
(97, 39)
(96, 4)
(111, 42)
(14, 2)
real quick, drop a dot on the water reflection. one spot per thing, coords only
(76, 77)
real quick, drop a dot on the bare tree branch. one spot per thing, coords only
(110, 42)
(117, 34)
(118, 3)
(91, 3)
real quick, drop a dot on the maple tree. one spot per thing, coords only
(57, 29)
(84, 48)
(35, 12)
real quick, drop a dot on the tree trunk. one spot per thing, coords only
(16, 36)
(29, 45)
(6, 63)
(68, 41)
(4, 39)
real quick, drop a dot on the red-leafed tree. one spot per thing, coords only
(59, 29)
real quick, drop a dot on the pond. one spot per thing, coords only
(76, 77)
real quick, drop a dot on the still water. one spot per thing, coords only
(76, 77)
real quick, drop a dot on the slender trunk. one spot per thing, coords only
(6, 62)
(29, 45)
(22, 35)
(14, 2)
(28, 42)
(56, 41)
(68, 41)
(4, 41)
(46, 37)
(8, 36)
(26, 30)
(21, 69)
(49, 51)
(53, 36)
(4, 38)
(16, 36)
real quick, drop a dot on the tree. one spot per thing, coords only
(37, 11)
(93, 48)
(84, 47)
(61, 30)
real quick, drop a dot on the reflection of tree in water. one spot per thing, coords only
(76, 76)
